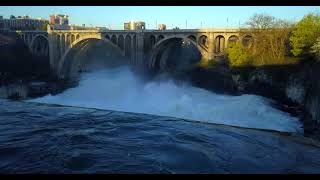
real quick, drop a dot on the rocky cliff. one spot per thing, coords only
(296, 88)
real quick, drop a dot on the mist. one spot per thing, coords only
(120, 89)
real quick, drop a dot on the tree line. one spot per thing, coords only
(277, 41)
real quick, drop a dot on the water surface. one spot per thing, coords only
(40, 138)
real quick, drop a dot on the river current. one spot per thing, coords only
(42, 138)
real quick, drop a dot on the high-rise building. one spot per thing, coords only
(162, 27)
(134, 25)
(59, 19)
(1, 22)
(23, 23)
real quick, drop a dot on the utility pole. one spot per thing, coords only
(186, 24)
(156, 24)
(227, 22)
(201, 25)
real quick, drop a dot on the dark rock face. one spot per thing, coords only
(296, 88)
(219, 80)
(19, 69)
(17, 63)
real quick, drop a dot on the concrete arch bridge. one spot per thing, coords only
(141, 47)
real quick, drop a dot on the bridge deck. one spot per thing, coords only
(212, 30)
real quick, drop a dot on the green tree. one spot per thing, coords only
(238, 55)
(305, 34)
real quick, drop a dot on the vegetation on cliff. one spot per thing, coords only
(239, 55)
(305, 34)
(269, 45)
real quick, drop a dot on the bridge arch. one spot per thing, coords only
(128, 48)
(152, 40)
(39, 45)
(73, 38)
(81, 42)
(247, 40)
(121, 42)
(203, 41)
(68, 40)
(33, 38)
(193, 38)
(157, 49)
(62, 42)
(219, 44)
(233, 39)
(114, 39)
(160, 37)
(134, 49)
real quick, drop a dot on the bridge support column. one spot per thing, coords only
(65, 47)
(133, 53)
(226, 42)
(140, 48)
(52, 51)
(210, 47)
(61, 44)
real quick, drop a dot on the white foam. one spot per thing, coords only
(119, 89)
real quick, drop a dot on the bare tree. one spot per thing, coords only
(270, 38)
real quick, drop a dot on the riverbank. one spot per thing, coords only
(33, 89)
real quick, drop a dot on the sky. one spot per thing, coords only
(191, 17)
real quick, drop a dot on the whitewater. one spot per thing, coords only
(120, 89)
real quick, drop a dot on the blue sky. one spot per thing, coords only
(172, 16)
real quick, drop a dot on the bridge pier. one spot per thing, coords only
(210, 47)
(140, 49)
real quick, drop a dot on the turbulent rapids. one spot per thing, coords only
(121, 90)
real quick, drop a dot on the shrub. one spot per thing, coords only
(238, 55)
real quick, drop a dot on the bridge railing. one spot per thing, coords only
(205, 30)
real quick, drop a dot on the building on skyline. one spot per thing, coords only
(23, 23)
(162, 27)
(1, 22)
(59, 19)
(135, 25)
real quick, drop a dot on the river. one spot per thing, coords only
(124, 125)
